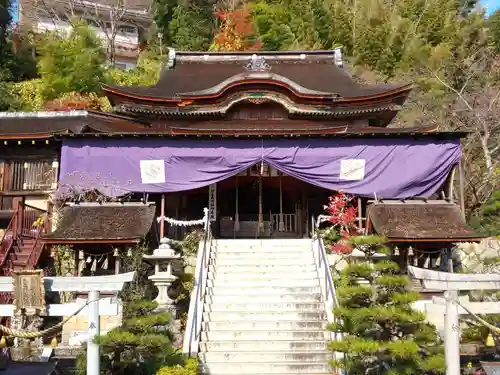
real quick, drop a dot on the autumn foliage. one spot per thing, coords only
(236, 32)
(76, 101)
(342, 216)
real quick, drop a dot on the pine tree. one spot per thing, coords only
(382, 333)
(140, 346)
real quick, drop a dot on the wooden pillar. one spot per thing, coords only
(162, 214)
(116, 254)
(461, 183)
(18, 217)
(360, 215)
(48, 220)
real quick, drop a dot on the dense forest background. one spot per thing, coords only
(448, 48)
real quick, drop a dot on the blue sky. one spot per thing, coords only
(491, 5)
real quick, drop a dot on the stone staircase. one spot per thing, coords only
(263, 311)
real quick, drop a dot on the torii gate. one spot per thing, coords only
(93, 285)
(451, 283)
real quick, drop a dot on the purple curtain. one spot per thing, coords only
(393, 167)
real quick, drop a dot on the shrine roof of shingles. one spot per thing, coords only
(41, 125)
(58, 125)
(419, 221)
(103, 223)
(307, 74)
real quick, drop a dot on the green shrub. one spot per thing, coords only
(189, 368)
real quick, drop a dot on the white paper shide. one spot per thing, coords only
(352, 169)
(153, 171)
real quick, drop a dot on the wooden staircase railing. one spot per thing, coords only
(28, 222)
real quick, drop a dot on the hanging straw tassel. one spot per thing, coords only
(89, 259)
(115, 252)
(427, 262)
(396, 251)
(410, 252)
(489, 340)
(281, 225)
(237, 214)
(81, 256)
(438, 260)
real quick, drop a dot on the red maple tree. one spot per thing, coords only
(236, 32)
(342, 215)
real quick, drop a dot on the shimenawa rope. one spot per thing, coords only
(31, 335)
(479, 319)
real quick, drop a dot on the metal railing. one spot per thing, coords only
(327, 285)
(192, 334)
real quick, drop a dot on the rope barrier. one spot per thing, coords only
(32, 335)
(490, 326)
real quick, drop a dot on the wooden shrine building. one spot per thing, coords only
(262, 140)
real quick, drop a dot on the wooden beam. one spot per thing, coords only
(106, 307)
(162, 214)
(438, 305)
(426, 274)
(461, 285)
(111, 283)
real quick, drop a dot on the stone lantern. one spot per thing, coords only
(163, 279)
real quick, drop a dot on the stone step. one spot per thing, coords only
(257, 262)
(265, 276)
(262, 255)
(255, 243)
(263, 267)
(223, 316)
(261, 291)
(290, 283)
(241, 335)
(264, 249)
(266, 306)
(241, 298)
(271, 345)
(264, 325)
(252, 357)
(266, 367)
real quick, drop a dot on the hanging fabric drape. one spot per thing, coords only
(281, 225)
(237, 214)
(393, 168)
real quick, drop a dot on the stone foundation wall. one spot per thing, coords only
(75, 329)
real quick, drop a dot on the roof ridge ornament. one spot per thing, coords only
(257, 64)
(171, 58)
(337, 57)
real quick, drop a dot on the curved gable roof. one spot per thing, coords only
(312, 73)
